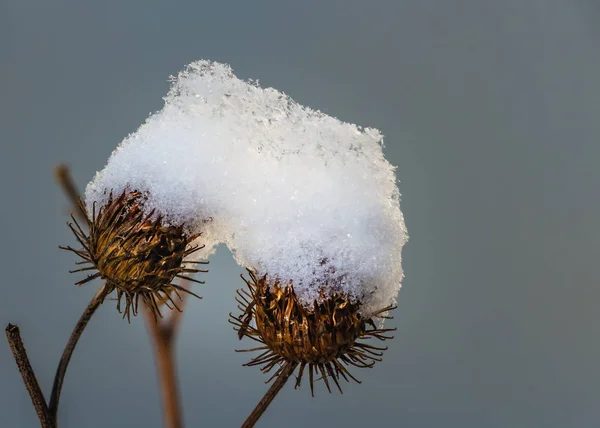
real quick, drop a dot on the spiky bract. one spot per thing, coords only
(326, 337)
(134, 253)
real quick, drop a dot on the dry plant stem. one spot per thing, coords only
(270, 395)
(163, 334)
(37, 397)
(70, 347)
(65, 180)
(171, 324)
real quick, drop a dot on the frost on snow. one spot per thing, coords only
(294, 193)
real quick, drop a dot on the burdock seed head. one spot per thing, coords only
(134, 252)
(326, 337)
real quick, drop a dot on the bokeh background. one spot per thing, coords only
(491, 113)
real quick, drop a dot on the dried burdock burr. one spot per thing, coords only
(324, 339)
(136, 254)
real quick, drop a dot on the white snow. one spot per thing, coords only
(292, 192)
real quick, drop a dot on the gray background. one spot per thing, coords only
(491, 112)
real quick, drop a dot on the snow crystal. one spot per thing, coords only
(294, 193)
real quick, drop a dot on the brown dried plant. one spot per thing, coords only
(326, 338)
(134, 253)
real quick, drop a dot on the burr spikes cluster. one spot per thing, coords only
(135, 253)
(327, 337)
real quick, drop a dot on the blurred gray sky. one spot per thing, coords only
(490, 110)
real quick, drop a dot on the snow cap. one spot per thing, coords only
(294, 193)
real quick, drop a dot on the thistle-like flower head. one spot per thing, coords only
(134, 252)
(327, 337)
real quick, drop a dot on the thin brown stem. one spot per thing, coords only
(37, 396)
(61, 371)
(65, 181)
(174, 320)
(163, 334)
(270, 395)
